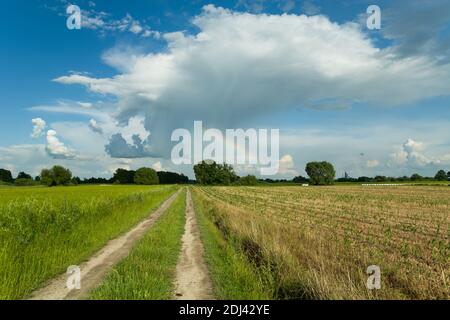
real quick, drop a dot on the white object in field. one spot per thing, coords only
(305, 185)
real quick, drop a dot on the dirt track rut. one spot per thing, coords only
(192, 278)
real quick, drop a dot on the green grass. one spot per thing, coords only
(148, 272)
(234, 277)
(45, 230)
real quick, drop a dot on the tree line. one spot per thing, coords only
(319, 173)
(211, 173)
(206, 173)
(60, 176)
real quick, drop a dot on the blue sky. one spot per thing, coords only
(371, 102)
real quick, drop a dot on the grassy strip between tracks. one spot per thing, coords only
(234, 277)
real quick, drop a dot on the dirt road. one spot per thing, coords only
(95, 269)
(192, 278)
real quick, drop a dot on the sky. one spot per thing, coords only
(108, 96)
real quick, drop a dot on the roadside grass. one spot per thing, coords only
(148, 272)
(45, 230)
(234, 277)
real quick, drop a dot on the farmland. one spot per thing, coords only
(316, 243)
(44, 230)
(261, 242)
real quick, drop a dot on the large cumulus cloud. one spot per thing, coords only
(240, 66)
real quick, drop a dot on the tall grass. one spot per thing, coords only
(234, 276)
(43, 231)
(148, 272)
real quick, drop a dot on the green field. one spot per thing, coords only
(262, 242)
(44, 230)
(149, 271)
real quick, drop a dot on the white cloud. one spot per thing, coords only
(70, 107)
(120, 164)
(38, 127)
(136, 27)
(413, 152)
(287, 166)
(23, 158)
(104, 24)
(372, 163)
(272, 63)
(95, 126)
(56, 149)
(86, 105)
(157, 166)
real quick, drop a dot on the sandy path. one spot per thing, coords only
(94, 270)
(192, 278)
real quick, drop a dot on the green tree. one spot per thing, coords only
(416, 177)
(47, 178)
(211, 173)
(441, 176)
(124, 176)
(6, 176)
(23, 175)
(146, 176)
(61, 175)
(320, 173)
(56, 176)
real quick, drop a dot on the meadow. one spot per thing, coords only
(45, 230)
(261, 242)
(317, 242)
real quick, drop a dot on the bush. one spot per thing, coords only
(248, 181)
(22, 182)
(320, 173)
(146, 176)
(172, 178)
(381, 179)
(300, 179)
(416, 177)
